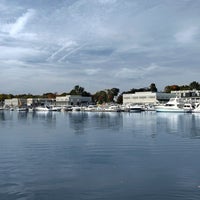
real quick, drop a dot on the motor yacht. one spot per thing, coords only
(173, 105)
(41, 108)
(196, 109)
(136, 108)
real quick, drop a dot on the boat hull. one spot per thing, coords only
(172, 110)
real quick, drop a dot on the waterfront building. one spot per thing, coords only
(40, 101)
(73, 100)
(15, 102)
(192, 96)
(149, 97)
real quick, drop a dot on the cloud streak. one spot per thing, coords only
(98, 43)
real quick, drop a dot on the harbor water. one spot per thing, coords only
(99, 156)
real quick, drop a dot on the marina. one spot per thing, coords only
(99, 155)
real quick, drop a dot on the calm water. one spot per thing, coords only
(112, 156)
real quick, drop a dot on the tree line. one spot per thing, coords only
(106, 95)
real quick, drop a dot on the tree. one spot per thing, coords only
(170, 88)
(194, 85)
(120, 99)
(100, 97)
(115, 91)
(77, 90)
(49, 95)
(153, 87)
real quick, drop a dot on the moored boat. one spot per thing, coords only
(22, 109)
(136, 108)
(173, 105)
(196, 109)
(41, 108)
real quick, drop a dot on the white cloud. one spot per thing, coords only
(19, 53)
(107, 1)
(62, 48)
(92, 71)
(84, 40)
(13, 29)
(136, 72)
(187, 36)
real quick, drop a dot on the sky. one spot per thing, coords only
(53, 45)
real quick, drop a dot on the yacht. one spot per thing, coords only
(54, 108)
(136, 108)
(196, 109)
(113, 108)
(41, 108)
(22, 109)
(173, 105)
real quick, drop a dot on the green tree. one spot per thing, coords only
(170, 88)
(100, 97)
(194, 85)
(78, 90)
(120, 99)
(153, 87)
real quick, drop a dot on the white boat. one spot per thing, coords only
(76, 108)
(21, 109)
(31, 109)
(188, 107)
(196, 109)
(113, 108)
(68, 108)
(54, 108)
(41, 108)
(136, 108)
(91, 108)
(149, 108)
(173, 105)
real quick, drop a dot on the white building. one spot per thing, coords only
(40, 101)
(73, 100)
(15, 102)
(188, 95)
(146, 98)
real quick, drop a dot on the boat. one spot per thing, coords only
(68, 108)
(54, 108)
(90, 108)
(76, 108)
(136, 108)
(31, 109)
(196, 109)
(22, 109)
(173, 105)
(41, 108)
(113, 108)
(149, 108)
(188, 107)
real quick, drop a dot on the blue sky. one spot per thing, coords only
(53, 45)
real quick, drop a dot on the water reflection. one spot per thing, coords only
(102, 164)
(5, 116)
(110, 120)
(48, 119)
(22, 115)
(80, 122)
(185, 125)
(149, 124)
(2, 116)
